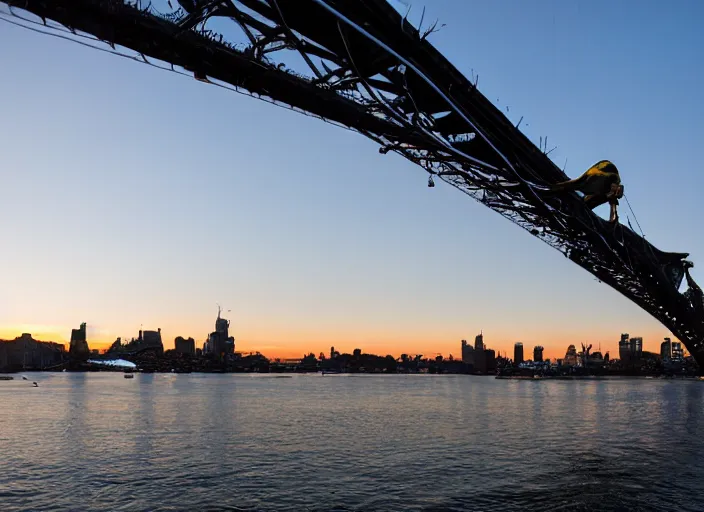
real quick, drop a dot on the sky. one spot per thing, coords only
(136, 198)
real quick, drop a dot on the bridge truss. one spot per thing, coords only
(371, 71)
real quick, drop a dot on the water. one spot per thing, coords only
(85, 442)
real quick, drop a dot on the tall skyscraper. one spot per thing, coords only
(624, 348)
(78, 349)
(538, 354)
(467, 353)
(636, 348)
(571, 358)
(479, 342)
(490, 360)
(222, 326)
(220, 342)
(479, 353)
(518, 353)
(666, 349)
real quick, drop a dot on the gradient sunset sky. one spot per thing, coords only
(132, 196)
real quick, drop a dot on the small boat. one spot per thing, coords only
(129, 375)
(6, 377)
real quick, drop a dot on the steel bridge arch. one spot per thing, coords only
(371, 71)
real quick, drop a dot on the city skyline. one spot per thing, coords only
(275, 351)
(139, 197)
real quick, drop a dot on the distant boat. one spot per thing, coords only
(129, 375)
(6, 377)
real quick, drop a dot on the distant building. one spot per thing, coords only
(595, 359)
(479, 353)
(479, 342)
(518, 353)
(624, 348)
(671, 350)
(636, 348)
(630, 350)
(116, 346)
(145, 340)
(490, 360)
(152, 339)
(467, 353)
(666, 349)
(538, 354)
(185, 346)
(480, 361)
(26, 353)
(571, 356)
(220, 342)
(78, 349)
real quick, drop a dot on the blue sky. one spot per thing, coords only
(134, 196)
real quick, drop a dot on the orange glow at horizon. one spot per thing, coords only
(274, 344)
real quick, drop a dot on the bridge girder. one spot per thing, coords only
(371, 71)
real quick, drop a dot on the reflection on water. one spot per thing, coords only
(189, 442)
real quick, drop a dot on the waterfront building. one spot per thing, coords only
(666, 349)
(220, 342)
(479, 353)
(490, 360)
(671, 350)
(145, 340)
(24, 352)
(624, 348)
(479, 342)
(116, 346)
(630, 350)
(152, 338)
(467, 353)
(595, 359)
(636, 348)
(538, 354)
(518, 353)
(78, 349)
(571, 356)
(185, 346)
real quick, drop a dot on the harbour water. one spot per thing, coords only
(196, 442)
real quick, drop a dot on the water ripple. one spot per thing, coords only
(156, 443)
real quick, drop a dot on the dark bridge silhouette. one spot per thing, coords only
(371, 71)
